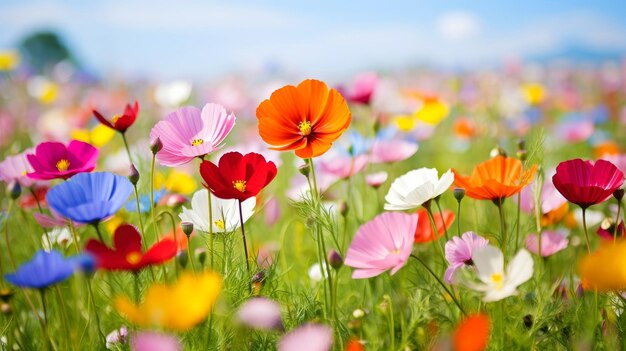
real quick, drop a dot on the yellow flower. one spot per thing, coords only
(112, 223)
(9, 59)
(98, 136)
(433, 111)
(605, 269)
(404, 123)
(534, 93)
(176, 307)
(176, 182)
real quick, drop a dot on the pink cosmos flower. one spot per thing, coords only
(340, 165)
(14, 169)
(459, 252)
(618, 160)
(575, 131)
(387, 151)
(362, 88)
(381, 244)
(260, 313)
(309, 337)
(53, 160)
(551, 243)
(188, 132)
(377, 179)
(152, 341)
(551, 199)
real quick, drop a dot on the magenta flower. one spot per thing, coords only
(309, 337)
(585, 183)
(53, 160)
(551, 199)
(362, 88)
(188, 132)
(387, 151)
(459, 252)
(608, 231)
(15, 168)
(152, 341)
(551, 243)
(260, 313)
(381, 244)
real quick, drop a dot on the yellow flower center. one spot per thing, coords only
(115, 118)
(220, 224)
(239, 185)
(305, 128)
(63, 165)
(196, 142)
(133, 257)
(496, 278)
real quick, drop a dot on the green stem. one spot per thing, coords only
(97, 228)
(503, 232)
(433, 225)
(619, 207)
(6, 234)
(211, 236)
(130, 159)
(152, 210)
(585, 229)
(70, 224)
(458, 219)
(32, 192)
(392, 327)
(63, 314)
(95, 310)
(445, 227)
(519, 206)
(46, 335)
(143, 231)
(136, 285)
(243, 236)
(456, 302)
(173, 221)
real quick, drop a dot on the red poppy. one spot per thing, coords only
(585, 183)
(424, 230)
(120, 122)
(127, 254)
(237, 176)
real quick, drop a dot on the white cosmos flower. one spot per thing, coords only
(225, 212)
(416, 187)
(497, 283)
(58, 236)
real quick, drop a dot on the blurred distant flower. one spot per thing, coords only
(225, 212)
(99, 136)
(464, 128)
(188, 133)
(575, 128)
(238, 176)
(472, 333)
(424, 231)
(307, 118)
(341, 165)
(59, 236)
(89, 197)
(550, 199)
(54, 220)
(416, 187)
(534, 93)
(144, 202)
(189, 302)
(127, 254)
(116, 337)
(459, 252)
(172, 94)
(551, 243)
(433, 109)
(381, 244)
(53, 160)
(153, 341)
(388, 151)
(495, 282)
(495, 179)
(317, 272)
(585, 183)
(43, 270)
(177, 182)
(260, 313)
(375, 180)
(618, 160)
(15, 169)
(122, 121)
(43, 89)
(354, 344)
(361, 89)
(608, 230)
(604, 269)
(309, 337)
(9, 59)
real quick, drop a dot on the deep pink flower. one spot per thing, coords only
(585, 183)
(361, 89)
(152, 341)
(607, 230)
(188, 132)
(459, 252)
(53, 160)
(309, 337)
(387, 151)
(381, 244)
(551, 243)
(14, 169)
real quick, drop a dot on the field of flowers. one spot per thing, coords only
(413, 210)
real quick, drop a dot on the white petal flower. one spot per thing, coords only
(416, 187)
(225, 212)
(495, 282)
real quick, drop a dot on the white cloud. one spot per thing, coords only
(458, 25)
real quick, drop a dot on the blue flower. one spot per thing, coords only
(44, 269)
(90, 197)
(144, 202)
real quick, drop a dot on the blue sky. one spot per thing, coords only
(200, 38)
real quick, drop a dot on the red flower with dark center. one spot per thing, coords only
(238, 176)
(424, 231)
(585, 183)
(120, 122)
(127, 254)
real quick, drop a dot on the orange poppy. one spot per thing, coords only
(354, 345)
(424, 230)
(307, 118)
(495, 179)
(472, 333)
(554, 216)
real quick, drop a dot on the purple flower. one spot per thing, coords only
(260, 313)
(551, 243)
(459, 252)
(151, 341)
(309, 337)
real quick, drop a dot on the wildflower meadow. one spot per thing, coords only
(419, 209)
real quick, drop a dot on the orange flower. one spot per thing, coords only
(472, 333)
(424, 230)
(495, 179)
(354, 345)
(554, 216)
(307, 118)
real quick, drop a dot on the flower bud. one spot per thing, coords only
(334, 259)
(201, 255)
(14, 190)
(618, 194)
(5, 308)
(377, 126)
(358, 313)
(156, 145)
(459, 194)
(521, 145)
(305, 170)
(343, 208)
(497, 151)
(258, 278)
(522, 155)
(182, 258)
(6, 295)
(187, 228)
(134, 175)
